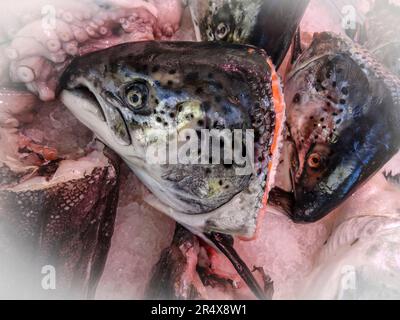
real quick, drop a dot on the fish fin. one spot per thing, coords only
(224, 243)
(268, 283)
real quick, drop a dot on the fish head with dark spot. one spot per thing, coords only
(139, 97)
(270, 25)
(343, 123)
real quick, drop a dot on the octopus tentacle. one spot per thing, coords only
(37, 53)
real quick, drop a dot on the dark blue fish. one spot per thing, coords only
(343, 114)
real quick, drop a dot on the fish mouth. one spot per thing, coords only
(98, 115)
(282, 200)
(85, 106)
(286, 192)
(88, 99)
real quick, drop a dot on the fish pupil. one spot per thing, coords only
(137, 95)
(222, 30)
(296, 98)
(135, 98)
(314, 161)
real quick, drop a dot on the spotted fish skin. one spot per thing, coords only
(270, 25)
(343, 113)
(64, 224)
(185, 85)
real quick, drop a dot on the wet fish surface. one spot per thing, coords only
(178, 86)
(270, 25)
(343, 118)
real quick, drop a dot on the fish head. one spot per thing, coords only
(270, 25)
(225, 20)
(141, 97)
(342, 118)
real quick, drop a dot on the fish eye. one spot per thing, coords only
(136, 95)
(314, 161)
(297, 98)
(222, 31)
